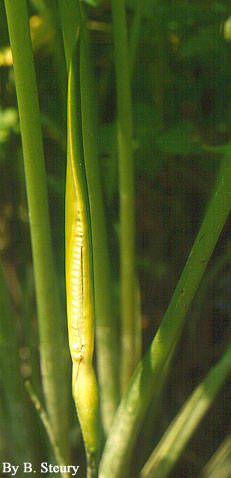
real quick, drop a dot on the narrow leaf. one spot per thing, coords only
(175, 439)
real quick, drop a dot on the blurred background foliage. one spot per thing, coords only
(182, 115)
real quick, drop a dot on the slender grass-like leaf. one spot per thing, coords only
(218, 266)
(179, 432)
(69, 12)
(134, 36)
(146, 379)
(219, 465)
(52, 350)
(106, 326)
(126, 190)
(46, 423)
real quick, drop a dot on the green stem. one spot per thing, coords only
(105, 81)
(69, 18)
(135, 35)
(178, 434)
(145, 382)
(205, 289)
(53, 354)
(92, 466)
(126, 189)
(46, 423)
(106, 330)
(219, 464)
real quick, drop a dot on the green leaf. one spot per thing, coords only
(147, 379)
(180, 431)
(219, 464)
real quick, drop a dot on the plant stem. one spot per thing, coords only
(145, 382)
(126, 190)
(219, 464)
(92, 466)
(69, 18)
(179, 432)
(53, 354)
(200, 302)
(46, 422)
(106, 330)
(135, 35)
